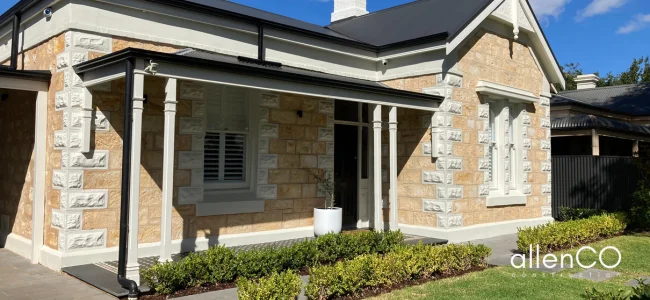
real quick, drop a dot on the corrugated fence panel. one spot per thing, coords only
(604, 182)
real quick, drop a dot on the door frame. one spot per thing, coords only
(363, 220)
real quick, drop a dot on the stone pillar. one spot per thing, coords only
(40, 154)
(73, 140)
(392, 195)
(595, 143)
(132, 266)
(168, 171)
(378, 201)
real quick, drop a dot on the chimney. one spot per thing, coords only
(588, 81)
(344, 9)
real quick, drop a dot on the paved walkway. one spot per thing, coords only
(19, 279)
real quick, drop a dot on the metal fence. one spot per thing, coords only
(603, 182)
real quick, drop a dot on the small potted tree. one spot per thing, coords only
(328, 219)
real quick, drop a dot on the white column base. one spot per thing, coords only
(133, 272)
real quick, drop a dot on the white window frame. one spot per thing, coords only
(249, 184)
(500, 145)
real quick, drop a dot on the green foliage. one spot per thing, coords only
(569, 214)
(220, 264)
(639, 214)
(641, 292)
(277, 286)
(563, 235)
(638, 72)
(404, 263)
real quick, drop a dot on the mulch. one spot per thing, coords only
(191, 291)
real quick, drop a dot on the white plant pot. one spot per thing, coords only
(327, 220)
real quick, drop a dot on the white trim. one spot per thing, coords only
(230, 207)
(514, 198)
(474, 232)
(168, 170)
(276, 85)
(23, 84)
(19, 245)
(499, 91)
(392, 145)
(469, 29)
(40, 153)
(56, 260)
(378, 203)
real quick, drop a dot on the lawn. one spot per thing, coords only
(510, 283)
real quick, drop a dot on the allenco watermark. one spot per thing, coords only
(550, 261)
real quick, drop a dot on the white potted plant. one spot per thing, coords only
(328, 219)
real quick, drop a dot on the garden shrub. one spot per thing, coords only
(277, 286)
(570, 214)
(563, 235)
(640, 292)
(221, 265)
(404, 263)
(639, 215)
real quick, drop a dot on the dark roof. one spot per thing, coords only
(29, 75)
(596, 122)
(633, 100)
(251, 67)
(410, 21)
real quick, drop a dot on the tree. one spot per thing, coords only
(638, 72)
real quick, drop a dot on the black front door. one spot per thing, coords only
(345, 171)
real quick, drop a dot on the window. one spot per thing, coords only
(228, 138)
(503, 148)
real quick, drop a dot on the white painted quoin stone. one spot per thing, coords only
(85, 199)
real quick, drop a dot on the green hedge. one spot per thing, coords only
(220, 264)
(563, 235)
(280, 286)
(570, 214)
(405, 263)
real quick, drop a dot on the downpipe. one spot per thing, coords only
(126, 283)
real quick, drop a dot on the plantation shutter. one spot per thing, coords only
(227, 135)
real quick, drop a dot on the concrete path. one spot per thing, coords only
(19, 279)
(503, 247)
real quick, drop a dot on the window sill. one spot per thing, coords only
(228, 202)
(496, 198)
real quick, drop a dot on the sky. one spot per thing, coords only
(600, 35)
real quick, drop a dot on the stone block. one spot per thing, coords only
(268, 161)
(279, 176)
(197, 177)
(426, 149)
(264, 115)
(325, 162)
(192, 91)
(449, 163)
(546, 189)
(61, 100)
(189, 125)
(188, 160)
(484, 111)
(76, 98)
(528, 189)
(483, 190)
(289, 191)
(60, 139)
(85, 199)
(263, 146)
(198, 142)
(270, 100)
(545, 145)
(98, 160)
(545, 123)
(450, 192)
(326, 134)
(527, 166)
(267, 192)
(198, 108)
(84, 240)
(546, 167)
(330, 148)
(92, 42)
(450, 220)
(262, 176)
(432, 177)
(326, 106)
(484, 138)
(269, 130)
(547, 211)
(308, 161)
(190, 195)
(526, 143)
(484, 164)
(437, 206)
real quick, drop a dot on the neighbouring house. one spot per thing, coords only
(199, 123)
(596, 132)
(609, 121)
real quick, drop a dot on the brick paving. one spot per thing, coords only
(20, 279)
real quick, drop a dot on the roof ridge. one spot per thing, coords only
(604, 88)
(412, 2)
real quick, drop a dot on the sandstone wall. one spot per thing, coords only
(17, 160)
(450, 191)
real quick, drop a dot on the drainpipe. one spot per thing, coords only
(126, 173)
(15, 40)
(261, 53)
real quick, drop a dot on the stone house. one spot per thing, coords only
(201, 122)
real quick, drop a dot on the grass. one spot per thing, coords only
(510, 283)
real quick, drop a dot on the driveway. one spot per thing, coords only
(19, 279)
